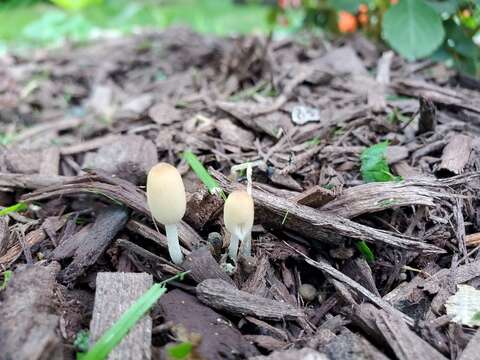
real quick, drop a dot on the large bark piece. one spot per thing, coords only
(455, 155)
(223, 296)
(115, 293)
(90, 247)
(219, 339)
(321, 225)
(28, 316)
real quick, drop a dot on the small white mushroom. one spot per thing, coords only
(238, 217)
(167, 203)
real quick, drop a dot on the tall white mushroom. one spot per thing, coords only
(167, 203)
(238, 215)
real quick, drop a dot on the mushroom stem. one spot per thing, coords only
(246, 247)
(233, 247)
(173, 245)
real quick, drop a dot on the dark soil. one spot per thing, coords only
(82, 125)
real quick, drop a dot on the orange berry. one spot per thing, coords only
(347, 23)
(393, 2)
(363, 19)
(363, 8)
(466, 13)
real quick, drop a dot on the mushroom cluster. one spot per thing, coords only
(167, 203)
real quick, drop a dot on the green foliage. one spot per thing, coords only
(180, 351)
(413, 28)
(202, 173)
(7, 275)
(19, 207)
(374, 167)
(476, 316)
(134, 313)
(76, 4)
(365, 250)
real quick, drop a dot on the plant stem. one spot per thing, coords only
(173, 245)
(246, 246)
(233, 247)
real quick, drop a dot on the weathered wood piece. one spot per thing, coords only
(472, 351)
(427, 120)
(321, 225)
(374, 197)
(88, 248)
(50, 162)
(315, 197)
(112, 188)
(4, 234)
(348, 346)
(28, 315)
(219, 339)
(293, 354)
(33, 237)
(32, 181)
(225, 297)
(472, 239)
(356, 287)
(455, 155)
(202, 266)
(404, 342)
(114, 294)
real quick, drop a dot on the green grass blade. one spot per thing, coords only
(365, 251)
(113, 336)
(7, 275)
(198, 168)
(180, 351)
(14, 208)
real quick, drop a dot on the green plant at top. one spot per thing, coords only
(446, 30)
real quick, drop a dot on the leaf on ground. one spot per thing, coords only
(180, 351)
(413, 28)
(464, 306)
(374, 166)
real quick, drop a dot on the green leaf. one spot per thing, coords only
(7, 275)
(413, 28)
(476, 316)
(134, 313)
(19, 207)
(76, 4)
(180, 351)
(374, 167)
(198, 168)
(365, 251)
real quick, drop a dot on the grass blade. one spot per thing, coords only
(14, 208)
(198, 168)
(113, 336)
(6, 278)
(365, 251)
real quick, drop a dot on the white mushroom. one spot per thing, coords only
(238, 217)
(167, 203)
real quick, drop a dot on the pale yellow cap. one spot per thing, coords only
(166, 194)
(238, 213)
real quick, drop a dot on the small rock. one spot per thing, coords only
(307, 292)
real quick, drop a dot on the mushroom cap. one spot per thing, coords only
(166, 194)
(238, 213)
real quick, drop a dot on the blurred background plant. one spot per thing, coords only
(444, 30)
